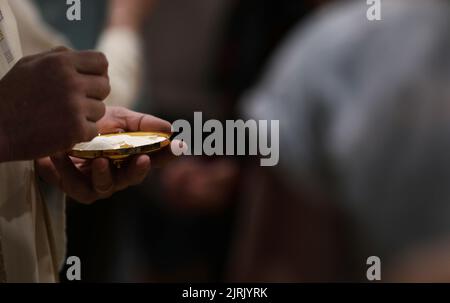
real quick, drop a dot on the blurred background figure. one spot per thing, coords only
(224, 50)
(364, 114)
(250, 33)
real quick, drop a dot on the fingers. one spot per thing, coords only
(102, 177)
(152, 123)
(59, 49)
(90, 62)
(99, 181)
(72, 181)
(85, 62)
(96, 87)
(107, 180)
(47, 171)
(139, 169)
(132, 121)
(95, 110)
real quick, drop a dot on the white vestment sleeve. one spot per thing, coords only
(123, 49)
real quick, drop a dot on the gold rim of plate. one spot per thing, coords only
(123, 153)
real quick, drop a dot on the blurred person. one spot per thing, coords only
(364, 119)
(164, 242)
(120, 41)
(195, 184)
(196, 196)
(217, 185)
(35, 124)
(239, 62)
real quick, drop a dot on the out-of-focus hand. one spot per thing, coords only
(199, 184)
(88, 181)
(129, 13)
(51, 101)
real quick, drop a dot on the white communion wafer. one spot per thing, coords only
(117, 142)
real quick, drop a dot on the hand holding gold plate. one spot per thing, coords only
(138, 144)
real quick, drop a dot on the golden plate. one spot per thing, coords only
(121, 154)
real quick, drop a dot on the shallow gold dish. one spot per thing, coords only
(120, 154)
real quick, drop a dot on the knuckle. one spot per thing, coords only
(59, 68)
(102, 110)
(102, 60)
(96, 111)
(102, 88)
(107, 87)
(60, 49)
(56, 61)
(73, 83)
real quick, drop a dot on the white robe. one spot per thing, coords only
(32, 231)
(27, 247)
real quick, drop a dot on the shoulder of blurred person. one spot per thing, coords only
(363, 116)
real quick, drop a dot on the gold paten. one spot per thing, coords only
(118, 156)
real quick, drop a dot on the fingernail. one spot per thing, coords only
(143, 162)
